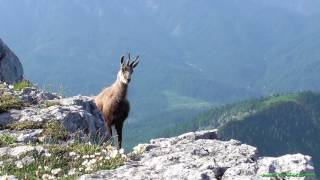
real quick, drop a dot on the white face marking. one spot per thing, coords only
(122, 78)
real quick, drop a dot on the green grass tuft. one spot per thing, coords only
(22, 85)
(20, 126)
(6, 140)
(8, 102)
(49, 103)
(55, 131)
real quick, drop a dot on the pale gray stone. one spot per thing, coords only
(200, 155)
(19, 150)
(8, 178)
(29, 135)
(78, 114)
(289, 164)
(25, 161)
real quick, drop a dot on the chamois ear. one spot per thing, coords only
(122, 60)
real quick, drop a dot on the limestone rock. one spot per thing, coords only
(8, 178)
(11, 70)
(199, 155)
(294, 165)
(78, 115)
(19, 150)
(24, 161)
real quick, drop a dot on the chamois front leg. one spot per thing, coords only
(109, 128)
(118, 127)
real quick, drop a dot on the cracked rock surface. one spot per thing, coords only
(78, 115)
(200, 155)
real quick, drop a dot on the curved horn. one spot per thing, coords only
(137, 58)
(135, 62)
(129, 58)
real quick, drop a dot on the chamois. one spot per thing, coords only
(113, 102)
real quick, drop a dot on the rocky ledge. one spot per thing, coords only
(200, 155)
(28, 114)
(46, 136)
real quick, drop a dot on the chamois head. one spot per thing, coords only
(126, 69)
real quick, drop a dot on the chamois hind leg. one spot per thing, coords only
(118, 127)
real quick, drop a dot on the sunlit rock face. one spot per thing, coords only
(11, 70)
(77, 115)
(201, 155)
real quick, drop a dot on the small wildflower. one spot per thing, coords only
(85, 157)
(114, 153)
(47, 177)
(121, 151)
(56, 171)
(19, 164)
(85, 162)
(46, 168)
(72, 172)
(47, 154)
(72, 154)
(92, 161)
(88, 169)
(123, 156)
(92, 156)
(38, 173)
(97, 154)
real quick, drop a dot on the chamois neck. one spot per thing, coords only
(121, 89)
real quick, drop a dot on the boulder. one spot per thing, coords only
(78, 115)
(11, 70)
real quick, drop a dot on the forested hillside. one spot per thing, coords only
(276, 125)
